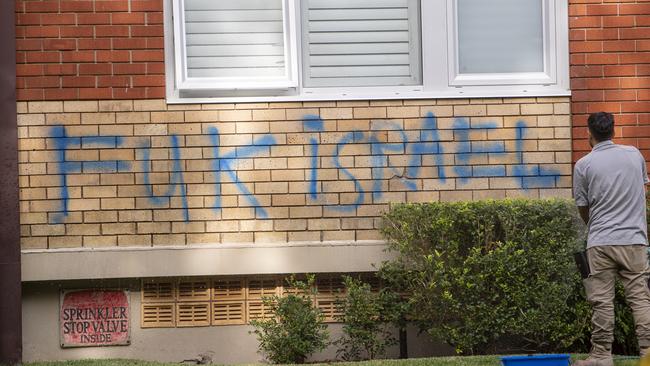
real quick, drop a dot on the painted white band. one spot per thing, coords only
(205, 260)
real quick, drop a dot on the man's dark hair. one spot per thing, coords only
(601, 125)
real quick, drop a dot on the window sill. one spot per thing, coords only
(521, 91)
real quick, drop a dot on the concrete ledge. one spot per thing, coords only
(218, 259)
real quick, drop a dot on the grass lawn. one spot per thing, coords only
(438, 361)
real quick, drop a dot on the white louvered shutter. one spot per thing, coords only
(361, 43)
(236, 44)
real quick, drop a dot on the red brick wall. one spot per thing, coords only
(113, 49)
(82, 49)
(610, 68)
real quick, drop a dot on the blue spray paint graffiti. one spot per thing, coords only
(63, 143)
(467, 150)
(176, 180)
(429, 144)
(313, 123)
(471, 160)
(380, 152)
(349, 138)
(227, 162)
(532, 175)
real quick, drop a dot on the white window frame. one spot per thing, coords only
(548, 76)
(440, 78)
(288, 80)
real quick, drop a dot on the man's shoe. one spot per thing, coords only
(589, 361)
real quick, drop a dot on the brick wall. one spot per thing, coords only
(82, 49)
(105, 161)
(145, 173)
(610, 68)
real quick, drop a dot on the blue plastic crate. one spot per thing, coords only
(536, 360)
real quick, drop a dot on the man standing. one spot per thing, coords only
(609, 190)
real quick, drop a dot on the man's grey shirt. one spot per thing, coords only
(611, 180)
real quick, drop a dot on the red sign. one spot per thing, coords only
(94, 318)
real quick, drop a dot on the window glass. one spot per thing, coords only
(500, 36)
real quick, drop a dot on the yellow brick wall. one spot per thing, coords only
(145, 173)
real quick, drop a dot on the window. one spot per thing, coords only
(502, 42)
(360, 43)
(284, 50)
(230, 45)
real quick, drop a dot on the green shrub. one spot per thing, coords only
(366, 333)
(491, 276)
(625, 341)
(297, 330)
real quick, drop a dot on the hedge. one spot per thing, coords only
(493, 276)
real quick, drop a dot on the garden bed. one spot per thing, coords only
(434, 361)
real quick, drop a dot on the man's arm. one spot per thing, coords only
(584, 213)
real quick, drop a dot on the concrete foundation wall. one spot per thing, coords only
(305, 257)
(227, 344)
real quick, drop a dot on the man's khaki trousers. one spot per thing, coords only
(630, 262)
